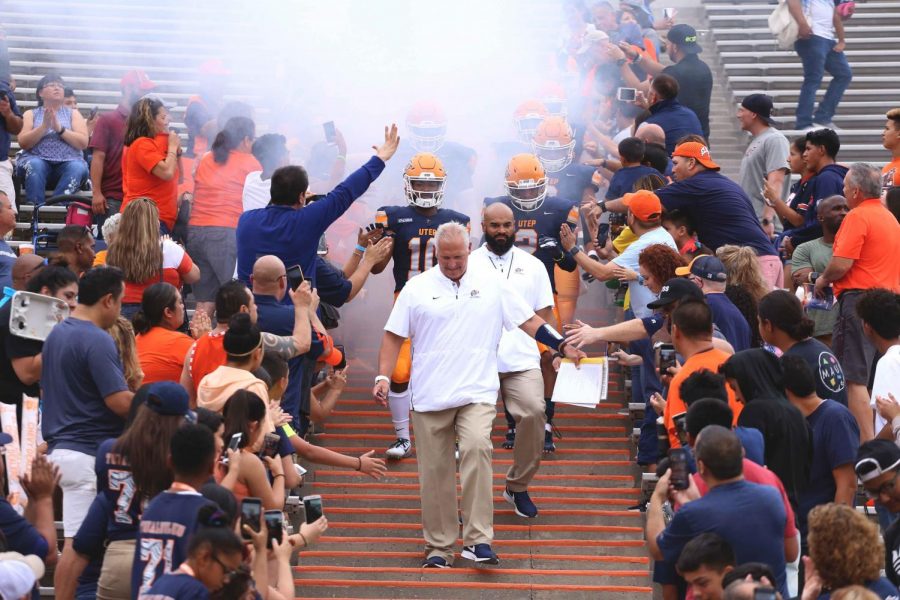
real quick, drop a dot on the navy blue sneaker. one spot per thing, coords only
(435, 562)
(522, 501)
(481, 554)
(549, 446)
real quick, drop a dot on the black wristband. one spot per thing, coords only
(602, 205)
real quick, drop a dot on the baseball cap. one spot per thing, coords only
(674, 290)
(19, 573)
(5, 438)
(705, 267)
(686, 37)
(643, 204)
(592, 36)
(697, 151)
(213, 66)
(760, 105)
(138, 79)
(168, 398)
(875, 458)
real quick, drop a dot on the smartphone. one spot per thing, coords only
(330, 132)
(679, 466)
(295, 276)
(93, 112)
(343, 364)
(764, 593)
(251, 513)
(300, 470)
(312, 506)
(665, 358)
(270, 445)
(679, 421)
(626, 94)
(322, 248)
(669, 13)
(275, 525)
(235, 441)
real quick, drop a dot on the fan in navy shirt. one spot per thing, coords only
(171, 517)
(214, 559)
(750, 517)
(718, 208)
(835, 439)
(676, 119)
(290, 230)
(631, 151)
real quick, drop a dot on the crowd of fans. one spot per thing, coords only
(777, 294)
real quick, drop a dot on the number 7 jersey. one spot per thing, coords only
(414, 250)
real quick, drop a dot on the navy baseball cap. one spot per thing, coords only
(760, 105)
(875, 458)
(169, 398)
(686, 37)
(674, 290)
(706, 267)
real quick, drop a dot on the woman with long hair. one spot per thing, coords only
(783, 324)
(161, 347)
(52, 139)
(150, 161)
(122, 334)
(131, 469)
(756, 376)
(217, 205)
(743, 269)
(144, 257)
(245, 413)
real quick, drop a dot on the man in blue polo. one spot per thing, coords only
(719, 209)
(288, 228)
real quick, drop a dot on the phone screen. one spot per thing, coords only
(329, 131)
(235, 441)
(295, 277)
(270, 447)
(666, 358)
(678, 464)
(764, 593)
(626, 94)
(275, 525)
(313, 507)
(251, 511)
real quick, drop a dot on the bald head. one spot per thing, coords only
(497, 211)
(269, 276)
(651, 133)
(25, 267)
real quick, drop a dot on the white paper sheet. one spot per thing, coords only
(585, 386)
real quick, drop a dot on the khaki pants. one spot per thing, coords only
(523, 394)
(115, 575)
(436, 433)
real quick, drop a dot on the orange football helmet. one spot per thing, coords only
(427, 126)
(528, 116)
(526, 181)
(423, 180)
(554, 144)
(553, 96)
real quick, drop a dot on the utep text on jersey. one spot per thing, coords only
(414, 250)
(544, 221)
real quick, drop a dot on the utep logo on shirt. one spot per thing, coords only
(475, 294)
(830, 372)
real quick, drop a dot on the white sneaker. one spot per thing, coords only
(399, 449)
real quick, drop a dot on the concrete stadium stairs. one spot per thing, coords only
(584, 543)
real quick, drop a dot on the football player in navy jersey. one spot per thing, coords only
(413, 227)
(172, 516)
(539, 218)
(426, 131)
(130, 469)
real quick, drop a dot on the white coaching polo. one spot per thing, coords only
(528, 277)
(455, 332)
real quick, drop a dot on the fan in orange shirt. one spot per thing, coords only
(150, 159)
(890, 139)
(217, 206)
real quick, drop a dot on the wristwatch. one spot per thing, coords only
(575, 250)
(61, 131)
(602, 205)
(382, 378)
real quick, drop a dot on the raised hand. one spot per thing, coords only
(391, 142)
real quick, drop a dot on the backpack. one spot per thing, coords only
(783, 26)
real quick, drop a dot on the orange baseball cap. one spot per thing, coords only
(697, 151)
(643, 204)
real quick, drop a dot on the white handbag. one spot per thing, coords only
(783, 26)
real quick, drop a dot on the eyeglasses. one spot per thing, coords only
(230, 574)
(884, 489)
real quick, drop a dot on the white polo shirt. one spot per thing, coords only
(528, 277)
(455, 333)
